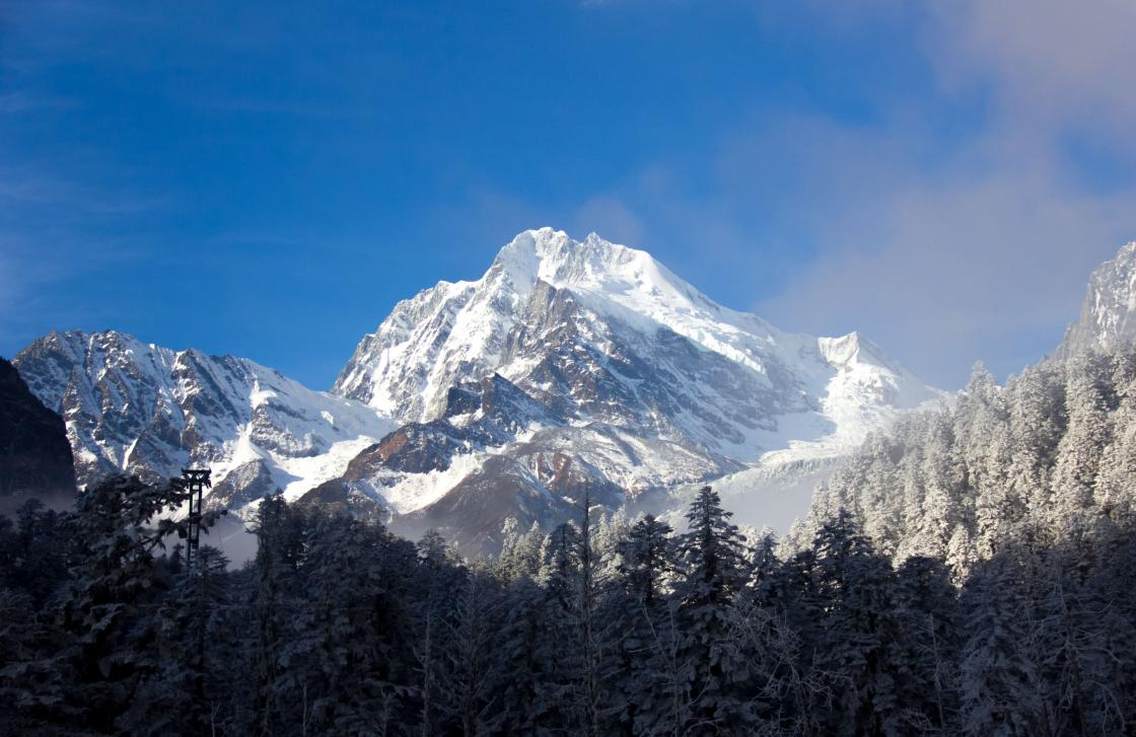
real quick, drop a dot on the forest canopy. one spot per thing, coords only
(598, 627)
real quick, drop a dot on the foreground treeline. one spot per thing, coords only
(339, 628)
(1049, 455)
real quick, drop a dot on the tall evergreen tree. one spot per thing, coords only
(713, 571)
(115, 587)
(1000, 690)
(644, 677)
(855, 650)
(926, 652)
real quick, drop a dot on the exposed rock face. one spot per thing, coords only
(242, 486)
(1108, 314)
(591, 331)
(146, 410)
(336, 497)
(473, 512)
(35, 457)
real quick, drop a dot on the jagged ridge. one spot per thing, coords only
(143, 409)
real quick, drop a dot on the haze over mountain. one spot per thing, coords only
(570, 369)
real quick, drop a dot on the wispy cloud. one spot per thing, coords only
(987, 255)
(1052, 62)
(33, 186)
(946, 253)
(987, 264)
(611, 217)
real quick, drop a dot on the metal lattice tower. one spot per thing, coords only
(195, 481)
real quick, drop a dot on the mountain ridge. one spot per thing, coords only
(141, 408)
(425, 338)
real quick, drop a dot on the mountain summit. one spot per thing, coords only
(455, 328)
(632, 381)
(550, 309)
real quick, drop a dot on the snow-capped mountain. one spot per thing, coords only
(141, 408)
(1108, 314)
(569, 370)
(632, 381)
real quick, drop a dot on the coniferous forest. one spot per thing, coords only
(606, 626)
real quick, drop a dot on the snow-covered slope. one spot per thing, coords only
(1108, 315)
(141, 408)
(632, 322)
(617, 352)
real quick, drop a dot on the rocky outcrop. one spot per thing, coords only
(1108, 313)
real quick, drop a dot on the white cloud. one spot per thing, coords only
(1055, 60)
(611, 218)
(946, 249)
(942, 272)
(985, 253)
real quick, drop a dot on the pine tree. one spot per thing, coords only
(643, 674)
(33, 683)
(1088, 400)
(1000, 690)
(523, 665)
(186, 694)
(560, 700)
(471, 660)
(927, 650)
(115, 587)
(855, 649)
(593, 633)
(647, 558)
(712, 564)
(279, 532)
(1037, 420)
(33, 568)
(436, 619)
(1110, 612)
(984, 435)
(520, 552)
(942, 508)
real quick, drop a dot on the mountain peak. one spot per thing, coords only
(551, 306)
(546, 242)
(554, 257)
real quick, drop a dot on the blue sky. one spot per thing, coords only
(267, 179)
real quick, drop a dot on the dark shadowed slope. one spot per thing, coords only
(35, 457)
